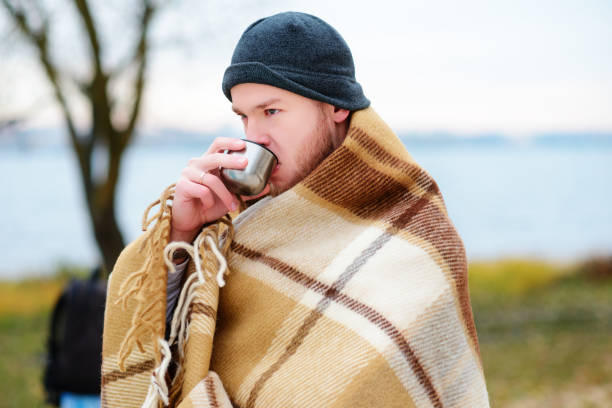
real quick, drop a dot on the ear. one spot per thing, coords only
(340, 114)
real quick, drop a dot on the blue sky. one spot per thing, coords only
(515, 67)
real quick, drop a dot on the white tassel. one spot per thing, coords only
(179, 325)
(158, 388)
(220, 258)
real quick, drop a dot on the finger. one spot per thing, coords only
(195, 190)
(221, 144)
(216, 185)
(213, 161)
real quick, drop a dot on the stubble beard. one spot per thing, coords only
(319, 147)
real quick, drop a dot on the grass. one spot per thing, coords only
(545, 331)
(22, 342)
(25, 309)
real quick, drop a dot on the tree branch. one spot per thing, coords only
(38, 38)
(140, 57)
(102, 126)
(92, 34)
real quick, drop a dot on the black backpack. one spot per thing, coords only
(74, 347)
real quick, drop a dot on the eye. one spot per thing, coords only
(270, 112)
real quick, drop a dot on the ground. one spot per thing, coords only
(544, 332)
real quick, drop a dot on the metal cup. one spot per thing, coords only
(252, 179)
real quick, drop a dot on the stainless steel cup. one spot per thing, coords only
(252, 180)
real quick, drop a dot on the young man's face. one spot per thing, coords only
(300, 131)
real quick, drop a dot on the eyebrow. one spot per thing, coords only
(260, 106)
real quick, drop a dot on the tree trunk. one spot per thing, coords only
(108, 235)
(100, 190)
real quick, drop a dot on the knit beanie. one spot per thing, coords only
(300, 53)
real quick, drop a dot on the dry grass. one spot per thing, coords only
(544, 333)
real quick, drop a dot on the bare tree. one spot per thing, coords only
(105, 132)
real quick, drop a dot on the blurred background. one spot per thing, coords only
(507, 104)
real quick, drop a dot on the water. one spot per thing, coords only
(545, 201)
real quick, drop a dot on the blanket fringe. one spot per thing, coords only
(206, 242)
(146, 284)
(158, 390)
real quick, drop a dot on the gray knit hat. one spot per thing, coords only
(300, 53)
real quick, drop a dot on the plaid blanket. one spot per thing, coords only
(348, 290)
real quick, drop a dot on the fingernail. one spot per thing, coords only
(233, 206)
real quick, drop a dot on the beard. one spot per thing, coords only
(319, 146)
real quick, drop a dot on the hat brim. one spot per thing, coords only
(256, 72)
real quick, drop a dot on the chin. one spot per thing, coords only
(278, 187)
(280, 182)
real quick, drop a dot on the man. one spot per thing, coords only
(348, 283)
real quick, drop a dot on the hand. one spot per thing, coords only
(200, 195)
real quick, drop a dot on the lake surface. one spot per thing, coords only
(543, 201)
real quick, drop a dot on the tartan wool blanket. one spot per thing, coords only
(348, 290)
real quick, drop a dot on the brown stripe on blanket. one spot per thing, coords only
(295, 342)
(363, 190)
(210, 392)
(394, 204)
(412, 172)
(203, 309)
(378, 152)
(130, 371)
(332, 293)
(444, 238)
(280, 266)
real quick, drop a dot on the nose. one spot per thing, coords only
(256, 133)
